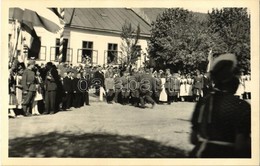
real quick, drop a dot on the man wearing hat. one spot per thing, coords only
(221, 122)
(51, 86)
(67, 87)
(98, 80)
(29, 87)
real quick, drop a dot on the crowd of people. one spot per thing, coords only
(220, 121)
(48, 88)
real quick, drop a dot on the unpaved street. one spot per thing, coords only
(104, 130)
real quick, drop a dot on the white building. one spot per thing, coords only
(96, 33)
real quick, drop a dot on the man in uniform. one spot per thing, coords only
(125, 88)
(198, 86)
(134, 87)
(146, 88)
(29, 87)
(168, 86)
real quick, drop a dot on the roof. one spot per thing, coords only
(105, 19)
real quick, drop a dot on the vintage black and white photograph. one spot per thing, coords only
(129, 82)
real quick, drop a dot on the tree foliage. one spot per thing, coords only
(232, 28)
(181, 41)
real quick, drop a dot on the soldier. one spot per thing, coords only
(118, 87)
(134, 87)
(158, 87)
(125, 88)
(29, 88)
(198, 86)
(168, 86)
(147, 85)
(176, 87)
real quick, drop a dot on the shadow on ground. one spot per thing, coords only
(89, 145)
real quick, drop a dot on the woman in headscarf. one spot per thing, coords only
(221, 122)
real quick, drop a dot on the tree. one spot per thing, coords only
(231, 28)
(129, 46)
(179, 41)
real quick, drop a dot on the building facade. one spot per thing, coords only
(93, 35)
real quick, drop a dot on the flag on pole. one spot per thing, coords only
(31, 39)
(28, 19)
(210, 60)
(61, 57)
(37, 16)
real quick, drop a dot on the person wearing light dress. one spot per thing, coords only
(241, 87)
(248, 86)
(183, 88)
(163, 94)
(38, 94)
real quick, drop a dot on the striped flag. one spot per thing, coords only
(37, 16)
(31, 17)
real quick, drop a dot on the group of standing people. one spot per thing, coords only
(51, 88)
(32, 85)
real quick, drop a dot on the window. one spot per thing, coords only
(87, 50)
(138, 50)
(112, 53)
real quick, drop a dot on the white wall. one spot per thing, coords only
(100, 43)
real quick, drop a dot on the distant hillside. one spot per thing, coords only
(200, 16)
(150, 14)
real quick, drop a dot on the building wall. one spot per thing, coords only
(100, 43)
(75, 37)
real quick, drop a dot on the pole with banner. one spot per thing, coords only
(61, 58)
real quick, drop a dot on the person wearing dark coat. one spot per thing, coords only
(134, 87)
(67, 86)
(51, 86)
(29, 88)
(77, 95)
(221, 122)
(147, 85)
(158, 87)
(169, 86)
(125, 88)
(85, 83)
(118, 87)
(99, 80)
(198, 86)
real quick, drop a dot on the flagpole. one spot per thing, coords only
(60, 58)
(210, 59)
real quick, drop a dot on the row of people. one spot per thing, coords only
(64, 86)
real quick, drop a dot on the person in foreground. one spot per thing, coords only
(221, 124)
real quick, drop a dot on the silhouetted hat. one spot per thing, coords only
(223, 67)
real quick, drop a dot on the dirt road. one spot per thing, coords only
(104, 130)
